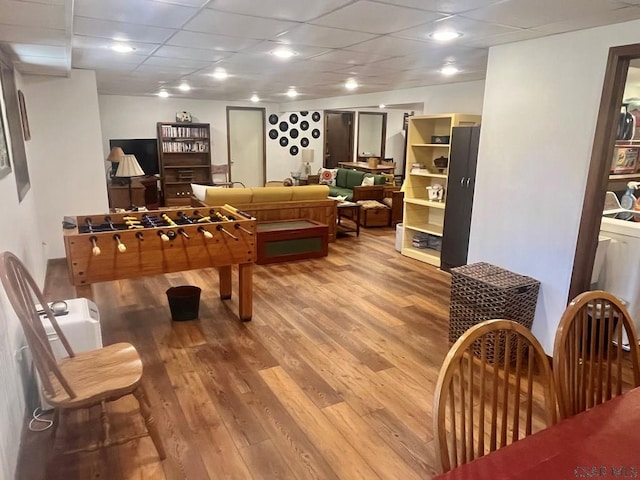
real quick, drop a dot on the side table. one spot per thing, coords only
(350, 211)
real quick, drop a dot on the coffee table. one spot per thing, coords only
(287, 240)
(350, 211)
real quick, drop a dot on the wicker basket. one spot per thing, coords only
(482, 291)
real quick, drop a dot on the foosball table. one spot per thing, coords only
(116, 246)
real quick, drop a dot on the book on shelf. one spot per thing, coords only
(184, 132)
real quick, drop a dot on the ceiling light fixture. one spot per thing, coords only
(283, 52)
(382, 105)
(184, 87)
(449, 70)
(163, 94)
(122, 48)
(220, 74)
(292, 93)
(351, 84)
(445, 35)
(255, 98)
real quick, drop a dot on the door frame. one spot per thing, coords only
(351, 135)
(603, 144)
(264, 140)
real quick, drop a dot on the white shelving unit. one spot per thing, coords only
(422, 216)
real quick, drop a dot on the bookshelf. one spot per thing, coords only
(184, 150)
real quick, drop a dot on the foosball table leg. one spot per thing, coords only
(224, 275)
(245, 280)
(84, 291)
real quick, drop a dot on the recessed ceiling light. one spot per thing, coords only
(283, 52)
(382, 105)
(220, 74)
(292, 93)
(163, 94)
(184, 87)
(122, 48)
(255, 98)
(449, 70)
(351, 84)
(445, 35)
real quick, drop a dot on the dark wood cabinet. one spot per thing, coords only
(460, 186)
(184, 150)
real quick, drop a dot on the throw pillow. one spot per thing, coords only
(367, 181)
(328, 176)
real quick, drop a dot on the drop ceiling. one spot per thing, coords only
(382, 44)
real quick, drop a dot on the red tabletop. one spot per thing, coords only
(603, 442)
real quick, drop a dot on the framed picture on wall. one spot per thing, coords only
(5, 165)
(23, 116)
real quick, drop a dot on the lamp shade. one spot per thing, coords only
(307, 155)
(129, 167)
(115, 155)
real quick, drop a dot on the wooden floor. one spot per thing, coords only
(333, 379)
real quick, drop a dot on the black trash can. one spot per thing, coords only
(184, 302)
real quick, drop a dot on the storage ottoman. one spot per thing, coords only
(374, 214)
(482, 291)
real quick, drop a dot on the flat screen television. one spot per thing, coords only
(145, 150)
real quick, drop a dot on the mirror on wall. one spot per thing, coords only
(372, 132)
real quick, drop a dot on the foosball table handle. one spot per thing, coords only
(95, 251)
(121, 246)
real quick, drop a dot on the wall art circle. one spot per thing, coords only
(273, 119)
(304, 141)
(304, 125)
(293, 118)
(315, 116)
(284, 126)
(304, 113)
(315, 133)
(273, 134)
(284, 141)
(293, 150)
(293, 133)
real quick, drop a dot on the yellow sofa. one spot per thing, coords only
(278, 203)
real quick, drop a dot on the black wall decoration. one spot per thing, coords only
(287, 136)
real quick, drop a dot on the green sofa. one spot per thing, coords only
(349, 184)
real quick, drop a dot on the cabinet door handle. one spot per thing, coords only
(462, 182)
(468, 180)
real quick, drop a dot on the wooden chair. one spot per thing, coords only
(494, 387)
(590, 364)
(80, 380)
(222, 170)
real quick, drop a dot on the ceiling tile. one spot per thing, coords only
(372, 17)
(222, 23)
(92, 27)
(445, 6)
(143, 12)
(528, 14)
(181, 63)
(295, 10)
(349, 57)
(39, 36)
(104, 44)
(28, 14)
(100, 59)
(190, 53)
(391, 46)
(470, 29)
(302, 51)
(318, 36)
(513, 36)
(221, 43)
(611, 17)
(186, 3)
(170, 71)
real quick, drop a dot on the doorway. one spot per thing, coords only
(338, 137)
(598, 177)
(246, 145)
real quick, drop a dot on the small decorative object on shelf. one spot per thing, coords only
(444, 139)
(435, 192)
(416, 167)
(441, 163)
(183, 117)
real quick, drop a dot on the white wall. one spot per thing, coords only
(66, 161)
(22, 236)
(540, 107)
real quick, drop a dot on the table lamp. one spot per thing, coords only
(128, 167)
(307, 158)
(115, 155)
